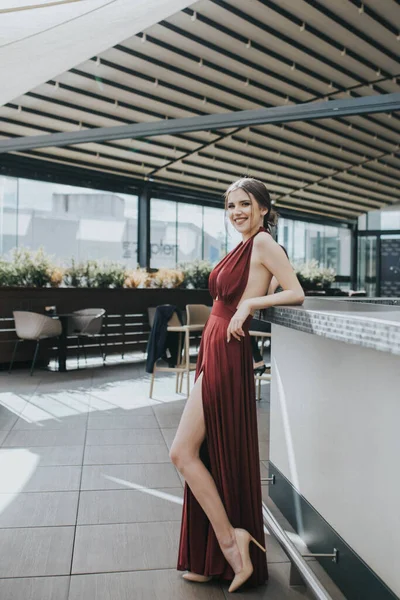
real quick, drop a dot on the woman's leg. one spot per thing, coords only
(185, 456)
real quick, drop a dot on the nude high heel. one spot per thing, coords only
(243, 539)
(196, 577)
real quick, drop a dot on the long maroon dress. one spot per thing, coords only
(230, 449)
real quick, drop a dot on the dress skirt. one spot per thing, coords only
(230, 450)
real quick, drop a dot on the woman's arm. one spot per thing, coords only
(275, 260)
(273, 285)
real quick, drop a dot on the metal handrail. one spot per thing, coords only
(305, 572)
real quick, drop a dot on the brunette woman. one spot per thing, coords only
(216, 445)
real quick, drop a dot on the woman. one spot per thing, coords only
(216, 445)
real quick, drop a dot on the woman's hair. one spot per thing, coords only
(261, 195)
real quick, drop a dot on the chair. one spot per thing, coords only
(266, 376)
(86, 323)
(34, 326)
(196, 317)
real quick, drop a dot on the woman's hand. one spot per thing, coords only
(236, 323)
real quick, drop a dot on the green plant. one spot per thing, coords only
(8, 275)
(196, 274)
(312, 276)
(74, 276)
(27, 268)
(106, 275)
(167, 278)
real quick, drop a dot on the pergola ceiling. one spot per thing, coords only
(223, 56)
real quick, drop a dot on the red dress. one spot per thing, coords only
(230, 449)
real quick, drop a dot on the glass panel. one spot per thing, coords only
(329, 245)
(163, 231)
(70, 222)
(390, 266)
(214, 234)
(367, 264)
(190, 232)
(8, 214)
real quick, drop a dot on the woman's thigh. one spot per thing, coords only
(191, 430)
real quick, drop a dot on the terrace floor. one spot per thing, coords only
(90, 505)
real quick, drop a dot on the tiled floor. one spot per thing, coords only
(90, 505)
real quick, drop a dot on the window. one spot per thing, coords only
(329, 245)
(68, 222)
(163, 233)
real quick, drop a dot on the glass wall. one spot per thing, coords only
(68, 222)
(329, 245)
(181, 232)
(386, 219)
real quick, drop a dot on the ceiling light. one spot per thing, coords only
(116, 104)
(378, 72)
(343, 52)
(144, 38)
(19, 109)
(331, 85)
(293, 66)
(349, 126)
(80, 125)
(201, 62)
(155, 83)
(204, 100)
(246, 83)
(194, 16)
(248, 45)
(361, 9)
(56, 85)
(303, 27)
(98, 61)
(398, 37)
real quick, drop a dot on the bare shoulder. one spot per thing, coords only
(264, 241)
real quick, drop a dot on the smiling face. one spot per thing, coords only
(244, 212)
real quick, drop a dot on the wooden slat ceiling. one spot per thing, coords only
(229, 55)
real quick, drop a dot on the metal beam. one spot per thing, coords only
(277, 114)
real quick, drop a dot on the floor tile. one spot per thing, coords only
(130, 506)
(275, 554)
(34, 588)
(41, 479)
(107, 455)
(125, 547)
(35, 551)
(38, 510)
(264, 449)
(277, 587)
(28, 422)
(63, 437)
(168, 435)
(124, 436)
(141, 408)
(50, 455)
(141, 585)
(7, 421)
(127, 422)
(117, 476)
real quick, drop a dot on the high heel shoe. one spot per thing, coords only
(189, 576)
(260, 370)
(243, 539)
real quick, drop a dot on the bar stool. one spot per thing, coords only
(196, 317)
(266, 376)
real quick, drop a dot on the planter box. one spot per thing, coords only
(125, 329)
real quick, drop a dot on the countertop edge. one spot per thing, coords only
(368, 332)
